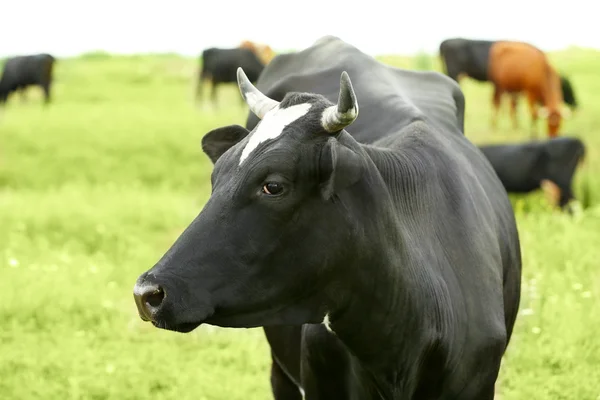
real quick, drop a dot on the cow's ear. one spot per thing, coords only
(340, 168)
(219, 140)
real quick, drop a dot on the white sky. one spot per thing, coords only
(70, 27)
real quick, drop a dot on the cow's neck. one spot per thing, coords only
(390, 302)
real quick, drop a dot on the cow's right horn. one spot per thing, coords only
(259, 103)
(336, 118)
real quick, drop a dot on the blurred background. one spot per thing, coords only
(97, 182)
(68, 27)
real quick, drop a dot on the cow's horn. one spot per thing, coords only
(336, 118)
(259, 103)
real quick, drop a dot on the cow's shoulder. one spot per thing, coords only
(437, 96)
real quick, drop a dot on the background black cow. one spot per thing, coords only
(523, 167)
(23, 71)
(220, 66)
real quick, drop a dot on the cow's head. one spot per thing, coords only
(266, 247)
(556, 112)
(554, 117)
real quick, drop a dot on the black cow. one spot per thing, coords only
(220, 66)
(23, 71)
(471, 58)
(466, 56)
(379, 253)
(523, 167)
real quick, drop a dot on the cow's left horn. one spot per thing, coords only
(259, 103)
(336, 118)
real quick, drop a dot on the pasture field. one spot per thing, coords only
(94, 189)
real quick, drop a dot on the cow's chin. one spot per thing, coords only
(185, 327)
(185, 322)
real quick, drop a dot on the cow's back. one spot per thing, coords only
(519, 166)
(516, 66)
(522, 166)
(20, 71)
(222, 64)
(380, 89)
(466, 56)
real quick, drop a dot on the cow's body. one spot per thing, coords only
(396, 277)
(220, 66)
(23, 71)
(523, 167)
(516, 67)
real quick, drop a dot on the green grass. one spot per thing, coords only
(95, 188)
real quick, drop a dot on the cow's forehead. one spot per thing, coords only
(272, 125)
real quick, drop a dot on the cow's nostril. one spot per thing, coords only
(148, 298)
(155, 298)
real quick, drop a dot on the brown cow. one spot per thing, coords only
(264, 52)
(516, 67)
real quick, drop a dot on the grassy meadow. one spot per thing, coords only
(95, 187)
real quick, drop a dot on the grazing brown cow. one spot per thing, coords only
(516, 67)
(262, 51)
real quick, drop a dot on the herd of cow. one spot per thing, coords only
(378, 248)
(514, 68)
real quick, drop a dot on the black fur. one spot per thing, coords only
(24, 71)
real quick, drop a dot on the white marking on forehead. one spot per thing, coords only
(272, 125)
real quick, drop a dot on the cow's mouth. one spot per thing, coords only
(184, 323)
(184, 327)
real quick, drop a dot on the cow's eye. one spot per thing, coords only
(272, 188)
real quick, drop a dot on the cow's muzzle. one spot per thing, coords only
(149, 297)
